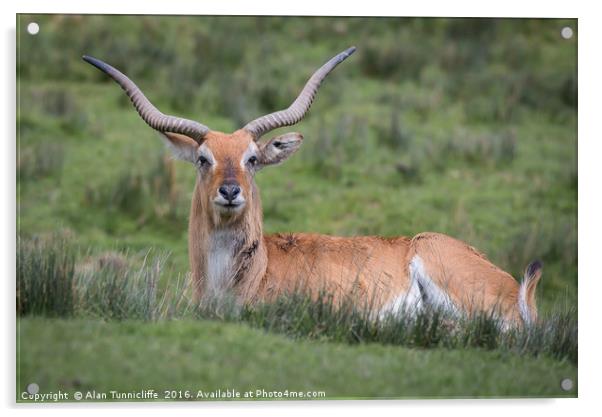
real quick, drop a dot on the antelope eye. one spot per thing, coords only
(252, 161)
(203, 161)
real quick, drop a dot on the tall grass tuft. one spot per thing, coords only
(45, 278)
(481, 148)
(395, 134)
(303, 317)
(143, 194)
(61, 105)
(40, 161)
(120, 293)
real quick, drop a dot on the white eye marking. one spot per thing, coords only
(250, 153)
(205, 153)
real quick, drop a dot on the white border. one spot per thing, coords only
(508, 8)
(589, 35)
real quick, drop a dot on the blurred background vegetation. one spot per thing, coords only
(462, 126)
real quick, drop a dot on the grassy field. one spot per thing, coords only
(208, 356)
(461, 126)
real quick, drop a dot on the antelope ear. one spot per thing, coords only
(181, 146)
(278, 149)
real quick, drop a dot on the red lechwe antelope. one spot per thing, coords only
(229, 253)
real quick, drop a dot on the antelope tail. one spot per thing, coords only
(527, 306)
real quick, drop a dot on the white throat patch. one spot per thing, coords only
(220, 262)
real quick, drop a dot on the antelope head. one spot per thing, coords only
(226, 163)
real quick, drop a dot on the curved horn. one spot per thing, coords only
(149, 113)
(300, 106)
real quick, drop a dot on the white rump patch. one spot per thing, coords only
(423, 292)
(407, 303)
(523, 307)
(432, 295)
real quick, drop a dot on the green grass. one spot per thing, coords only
(439, 135)
(460, 126)
(53, 282)
(204, 355)
(514, 212)
(116, 328)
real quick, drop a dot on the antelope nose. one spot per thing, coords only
(229, 191)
